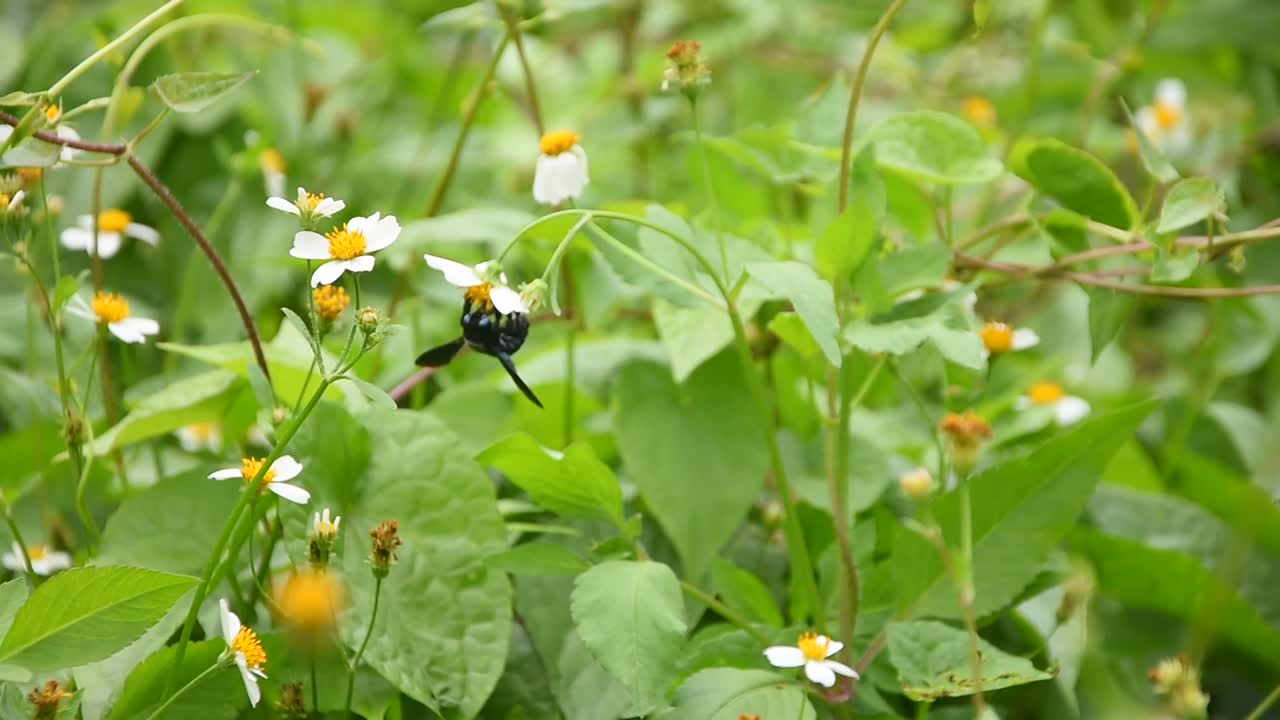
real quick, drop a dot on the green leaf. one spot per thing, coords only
(195, 91)
(811, 296)
(791, 330)
(86, 614)
(198, 398)
(730, 694)
(1189, 201)
(694, 451)
(171, 525)
(1022, 508)
(1078, 180)
(933, 661)
(300, 327)
(1108, 311)
(847, 242)
(1174, 266)
(220, 696)
(261, 386)
(538, 558)
(906, 329)
(981, 13)
(631, 616)
(745, 592)
(12, 596)
(376, 395)
(68, 285)
(935, 147)
(1153, 159)
(101, 682)
(576, 484)
(923, 266)
(19, 98)
(452, 655)
(692, 336)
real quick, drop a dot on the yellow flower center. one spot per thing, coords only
(52, 113)
(30, 174)
(345, 244)
(330, 301)
(270, 160)
(246, 642)
(1045, 393)
(997, 337)
(479, 295)
(113, 221)
(249, 468)
(4, 201)
(37, 552)
(979, 110)
(110, 307)
(813, 646)
(311, 600)
(312, 201)
(558, 141)
(1168, 115)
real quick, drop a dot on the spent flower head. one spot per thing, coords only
(46, 699)
(386, 538)
(687, 72)
(967, 433)
(917, 483)
(1178, 681)
(292, 702)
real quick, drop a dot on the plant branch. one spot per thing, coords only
(724, 611)
(368, 633)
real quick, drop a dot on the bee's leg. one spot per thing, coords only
(441, 355)
(510, 366)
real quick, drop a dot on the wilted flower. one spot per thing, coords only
(967, 433)
(386, 538)
(999, 338)
(245, 650)
(113, 311)
(44, 561)
(347, 249)
(201, 436)
(1067, 409)
(917, 483)
(330, 301)
(273, 167)
(687, 72)
(308, 206)
(276, 478)
(1164, 122)
(309, 602)
(46, 700)
(811, 652)
(113, 226)
(561, 171)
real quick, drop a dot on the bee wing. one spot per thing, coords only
(510, 367)
(440, 355)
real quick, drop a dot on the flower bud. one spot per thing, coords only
(917, 484)
(967, 433)
(324, 535)
(279, 415)
(370, 320)
(292, 701)
(687, 71)
(386, 538)
(331, 301)
(73, 430)
(46, 700)
(534, 293)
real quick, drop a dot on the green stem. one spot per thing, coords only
(110, 48)
(32, 578)
(709, 187)
(1266, 703)
(159, 712)
(724, 611)
(965, 581)
(144, 132)
(368, 633)
(643, 261)
(512, 19)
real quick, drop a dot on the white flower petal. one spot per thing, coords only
(842, 669)
(274, 182)
(286, 468)
(75, 238)
(250, 682)
(108, 244)
(292, 493)
(126, 333)
(78, 307)
(1071, 409)
(145, 233)
(833, 647)
(226, 474)
(1024, 338)
(455, 273)
(310, 246)
(784, 656)
(329, 272)
(230, 622)
(13, 560)
(141, 325)
(279, 203)
(328, 207)
(1172, 91)
(378, 235)
(364, 263)
(67, 132)
(820, 673)
(55, 561)
(560, 177)
(506, 300)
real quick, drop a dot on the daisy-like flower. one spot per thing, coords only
(811, 652)
(273, 166)
(1164, 122)
(201, 436)
(999, 338)
(346, 248)
(484, 286)
(113, 311)
(245, 650)
(561, 171)
(323, 528)
(276, 479)
(308, 206)
(22, 157)
(113, 226)
(43, 560)
(1068, 408)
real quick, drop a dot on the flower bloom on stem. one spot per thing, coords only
(346, 248)
(113, 226)
(485, 284)
(309, 602)
(811, 653)
(330, 301)
(308, 206)
(46, 700)
(22, 156)
(999, 338)
(245, 649)
(324, 534)
(273, 167)
(276, 478)
(44, 561)
(687, 72)
(1067, 409)
(967, 432)
(386, 538)
(561, 171)
(1164, 122)
(201, 437)
(113, 311)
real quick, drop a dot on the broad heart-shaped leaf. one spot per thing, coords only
(86, 614)
(811, 296)
(198, 398)
(912, 324)
(575, 484)
(101, 682)
(631, 616)
(732, 694)
(1152, 158)
(1021, 509)
(935, 147)
(195, 91)
(445, 616)
(1078, 180)
(171, 525)
(933, 661)
(694, 450)
(1188, 202)
(219, 696)
(691, 335)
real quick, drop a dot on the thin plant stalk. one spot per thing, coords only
(368, 633)
(724, 611)
(159, 712)
(709, 186)
(1265, 705)
(32, 578)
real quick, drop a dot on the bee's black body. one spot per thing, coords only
(490, 332)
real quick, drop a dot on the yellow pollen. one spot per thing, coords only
(313, 200)
(1168, 115)
(270, 160)
(246, 642)
(330, 301)
(558, 141)
(37, 552)
(1045, 393)
(52, 113)
(997, 337)
(346, 243)
(249, 467)
(110, 307)
(113, 221)
(479, 295)
(4, 201)
(30, 174)
(979, 110)
(813, 646)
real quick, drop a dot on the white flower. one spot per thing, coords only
(1164, 122)
(561, 171)
(113, 226)
(43, 560)
(482, 287)
(1067, 408)
(812, 652)
(201, 436)
(999, 338)
(346, 249)
(113, 311)
(246, 648)
(272, 164)
(308, 205)
(323, 528)
(24, 157)
(276, 479)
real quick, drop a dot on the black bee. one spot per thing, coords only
(490, 332)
